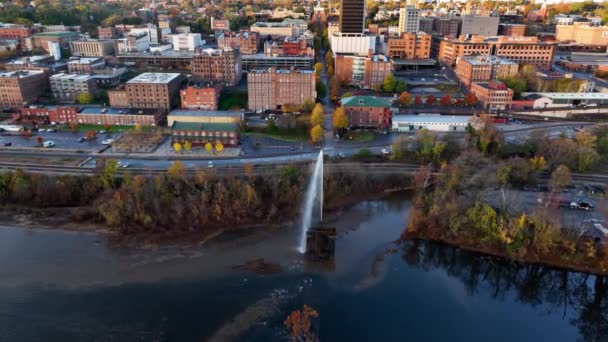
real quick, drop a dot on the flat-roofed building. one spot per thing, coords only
(47, 114)
(186, 41)
(492, 94)
(200, 133)
(522, 50)
(246, 41)
(196, 96)
(108, 33)
(218, 65)
(133, 43)
(431, 122)
(352, 43)
(512, 30)
(446, 26)
(41, 40)
(409, 19)
(22, 87)
(85, 65)
(288, 47)
(367, 72)
(262, 61)
(273, 88)
(481, 68)
(479, 25)
(410, 46)
(113, 116)
(555, 100)
(67, 87)
(92, 48)
(208, 116)
(352, 16)
(286, 28)
(154, 90)
(118, 97)
(583, 34)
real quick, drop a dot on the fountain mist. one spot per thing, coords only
(314, 191)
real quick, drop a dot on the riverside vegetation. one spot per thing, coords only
(180, 200)
(466, 201)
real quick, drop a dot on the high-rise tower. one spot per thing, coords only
(352, 16)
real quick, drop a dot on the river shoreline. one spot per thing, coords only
(472, 246)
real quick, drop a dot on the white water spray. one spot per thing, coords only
(314, 191)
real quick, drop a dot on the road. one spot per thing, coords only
(328, 142)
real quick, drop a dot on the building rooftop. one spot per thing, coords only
(154, 77)
(21, 73)
(367, 101)
(75, 77)
(484, 60)
(570, 96)
(282, 71)
(30, 59)
(284, 23)
(263, 56)
(85, 60)
(116, 111)
(436, 118)
(206, 113)
(199, 126)
(59, 34)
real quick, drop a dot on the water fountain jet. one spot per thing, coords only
(314, 192)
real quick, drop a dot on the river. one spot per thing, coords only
(66, 286)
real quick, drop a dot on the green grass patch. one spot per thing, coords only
(231, 99)
(291, 135)
(360, 136)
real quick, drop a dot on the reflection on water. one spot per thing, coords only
(57, 286)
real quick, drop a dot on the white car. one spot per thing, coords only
(48, 144)
(107, 142)
(41, 130)
(124, 165)
(210, 164)
(385, 151)
(51, 130)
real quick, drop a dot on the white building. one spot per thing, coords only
(432, 122)
(67, 87)
(566, 19)
(352, 43)
(151, 30)
(556, 100)
(409, 19)
(186, 41)
(479, 25)
(135, 42)
(55, 50)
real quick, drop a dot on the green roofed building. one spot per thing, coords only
(199, 133)
(368, 111)
(63, 38)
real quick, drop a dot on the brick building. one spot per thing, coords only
(512, 30)
(200, 97)
(92, 48)
(15, 32)
(273, 88)
(21, 88)
(154, 90)
(218, 65)
(409, 46)
(118, 97)
(582, 33)
(204, 116)
(286, 28)
(366, 72)
(471, 69)
(41, 40)
(67, 87)
(288, 47)
(108, 33)
(220, 24)
(492, 94)
(121, 116)
(85, 65)
(368, 111)
(522, 50)
(47, 114)
(247, 42)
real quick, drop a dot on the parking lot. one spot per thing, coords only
(62, 140)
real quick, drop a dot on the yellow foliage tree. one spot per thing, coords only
(187, 146)
(219, 147)
(339, 119)
(317, 116)
(208, 147)
(177, 147)
(316, 134)
(177, 169)
(538, 163)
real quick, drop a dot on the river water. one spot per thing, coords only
(62, 286)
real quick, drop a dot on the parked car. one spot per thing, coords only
(51, 130)
(210, 164)
(582, 205)
(42, 130)
(82, 139)
(7, 143)
(107, 142)
(48, 144)
(102, 132)
(124, 165)
(385, 151)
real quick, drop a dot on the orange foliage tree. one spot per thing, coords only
(299, 323)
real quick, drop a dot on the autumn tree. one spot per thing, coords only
(470, 99)
(307, 105)
(208, 147)
(339, 119)
(334, 88)
(560, 177)
(289, 108)
(446, 100)
(316, 134)
(177, 169)
(40, 140)
(91, 135)
(85, 98)
(108, 176)
(177, 147)
(187, 146)
(405, 98)
(389, 82)
(318, 69)
(318, 115)
(219, 147)
(299, 323)
(418, 100)
(537, 163)
(430, 100)
(73, 126)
